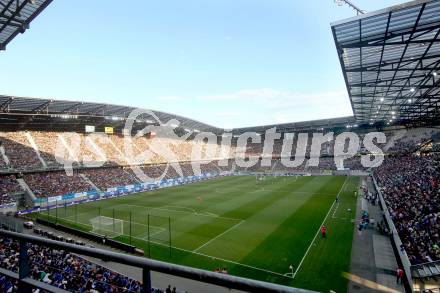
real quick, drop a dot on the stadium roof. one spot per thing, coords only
(60, 115)
(15, 17)
(16, 109)
(321, 124)
(390, 61)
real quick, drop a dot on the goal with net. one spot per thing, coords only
(107, 226)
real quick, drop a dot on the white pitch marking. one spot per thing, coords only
(208, 213)
(317, 232)
(180, 207)
(221, 259)
(218, 236)
(334, 212)
(180, 211)
(160, 230)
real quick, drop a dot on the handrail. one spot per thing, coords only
(427, 269)
(432, 290)
(427, 263)
(32, 282)
(148, 265)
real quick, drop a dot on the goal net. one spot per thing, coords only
(107, 226)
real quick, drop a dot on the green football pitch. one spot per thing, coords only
(266, 230)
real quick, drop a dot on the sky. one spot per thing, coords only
(227, 63)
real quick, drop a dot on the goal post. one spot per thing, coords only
(137, 225)
(107, 226)
(259, 178)
(159, 232)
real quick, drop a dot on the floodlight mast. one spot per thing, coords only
(349, 3)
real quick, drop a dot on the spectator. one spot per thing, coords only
(399, 276)
(64, 270)
(410, 186)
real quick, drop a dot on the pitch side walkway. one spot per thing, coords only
(373, 263)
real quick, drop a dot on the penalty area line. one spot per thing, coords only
(220, 259)
(218, 236)
(202, 214)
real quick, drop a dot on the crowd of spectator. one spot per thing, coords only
(412, 138)
(56, 183)
(8, 185)
(324, 164)
(35, 150)
(435, 147)
(64, 270)
(32, 150)
(410, 186)
(4, 161)
(46, 144)
(27, 149)
(18, 151)
(8, 285)
(46, 184)
(105, 178)
(411, 189)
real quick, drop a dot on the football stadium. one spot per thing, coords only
(100, 196)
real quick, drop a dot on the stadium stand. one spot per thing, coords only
(412, 138)
(19, 153)
(36, 150)
(32, 155)
(64, 270)
(44, 146)
(410, 186)
(8, 185)
(119, 177)
(55, 183)
(28, 151)
(32, 152)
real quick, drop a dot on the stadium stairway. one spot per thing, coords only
(86, 179)
(132, 175)
(373, 263)
(218, 168)
(4, 156)
(35, 147)
(26, 188)
(122, 156)
(274, 165)
(397, 135)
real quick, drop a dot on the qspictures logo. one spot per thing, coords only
(201, 148)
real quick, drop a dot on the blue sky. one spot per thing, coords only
(228, 63)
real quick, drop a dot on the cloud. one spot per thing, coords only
(263, 106)
(278, 100)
